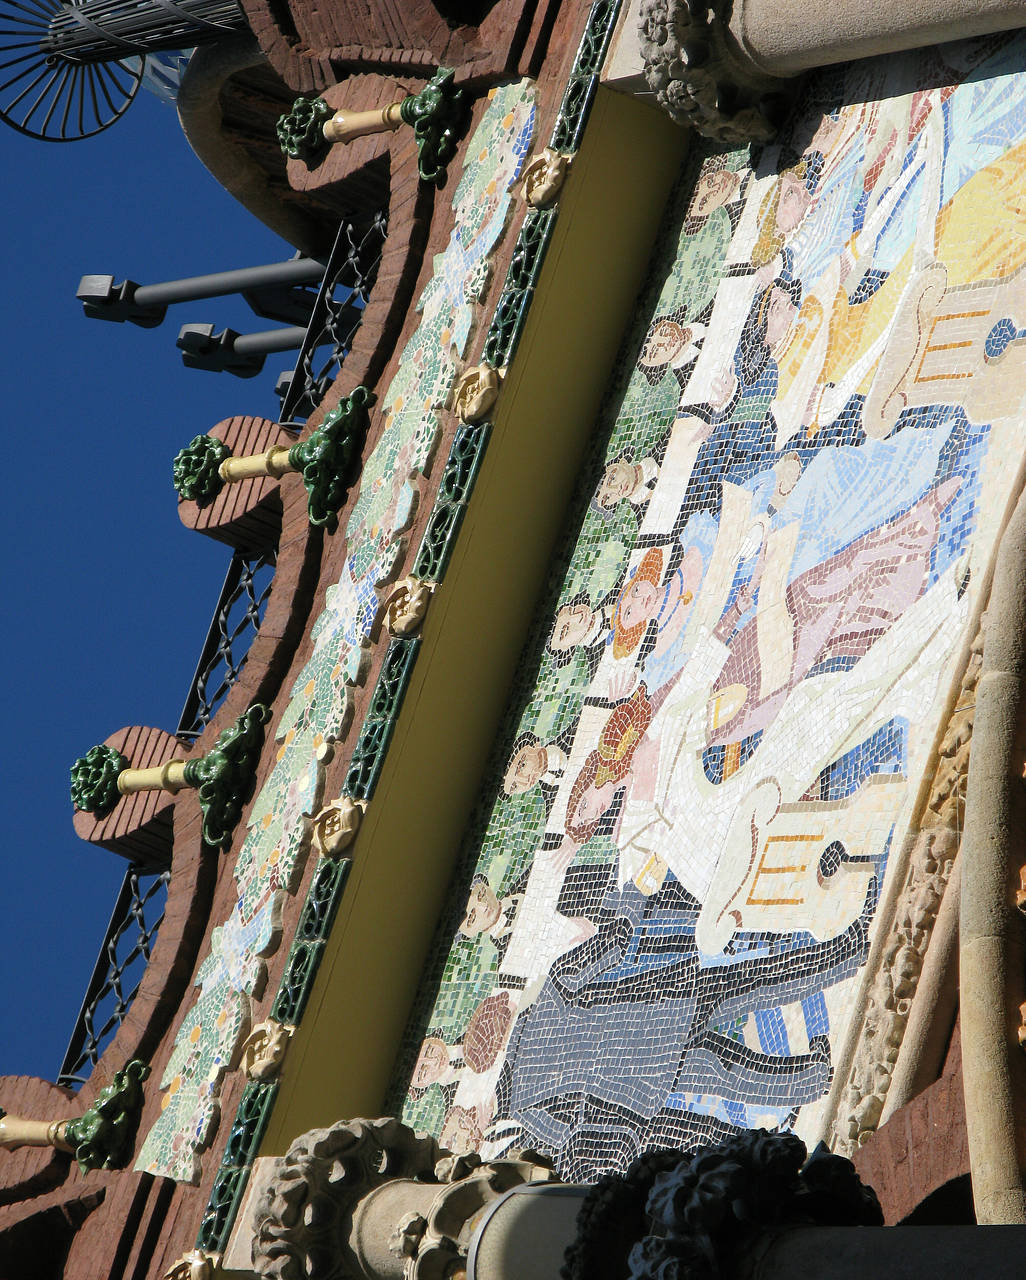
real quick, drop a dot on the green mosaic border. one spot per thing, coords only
(247, 1131)
(454, 489)
(432, 559)
(376, 730)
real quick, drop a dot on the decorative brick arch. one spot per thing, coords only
(165, 979)
(36, 1235)
(314, 46)
(247, 515)
(33, 1171)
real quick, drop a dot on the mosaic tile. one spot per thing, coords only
(274, 850)
(244, 1138)
(573, 110)
(720, 728)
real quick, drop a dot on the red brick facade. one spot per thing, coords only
(130, 1226)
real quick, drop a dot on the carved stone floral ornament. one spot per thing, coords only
(694, 68)
(475, 393)
(335, 827)
(896, 980)
(372, 1198)
(263, 1050)
(544, 177)
(700, 1216)
(406, 605)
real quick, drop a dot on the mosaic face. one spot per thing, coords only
(745, 665)
(273, 853)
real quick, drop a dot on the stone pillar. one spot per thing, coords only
(526, 1233)
(919, 1253)
(830, 32)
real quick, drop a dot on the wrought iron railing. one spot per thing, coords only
(235, 623)
(343, 294)
(139, 908)
(123, 957)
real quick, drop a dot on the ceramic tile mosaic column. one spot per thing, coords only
(273, 855)
(725, 722)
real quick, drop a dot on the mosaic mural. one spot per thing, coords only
(273, 853)
(723, 734)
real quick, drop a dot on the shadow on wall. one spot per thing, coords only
(949, 1205)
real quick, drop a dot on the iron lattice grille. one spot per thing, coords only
(124, 953)
(139, 908)
(344, 291)
(236, 621)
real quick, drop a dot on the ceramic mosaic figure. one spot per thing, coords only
(533, 763)
(487, 913)
(647, 971)
(779, 558)
(835, 612)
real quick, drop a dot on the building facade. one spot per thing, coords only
(629, 755)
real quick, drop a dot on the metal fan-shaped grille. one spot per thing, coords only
(69, 70)
(47, 96)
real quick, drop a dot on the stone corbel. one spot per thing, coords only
(391, 1204)
(700, 75)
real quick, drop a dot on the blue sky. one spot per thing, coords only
(94, 414)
